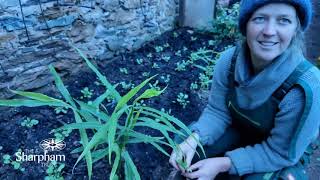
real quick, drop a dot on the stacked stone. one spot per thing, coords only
(100, 28)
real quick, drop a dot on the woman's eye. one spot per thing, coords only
(258, 19)
(284, 21)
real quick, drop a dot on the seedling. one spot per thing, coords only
(193, 38)
(17, 165)
(166, 78)
(158, 49)
(166, 45)
(194, 86)
(123, 70)
(155, 66)
(175, 34)
(166, 58)
(54, 171)
(60, 109)
(182, 99)
(181, 66)
(149, 55)
(139, 61)
(29, 123)
(178, 53)
(86, 93)
(146, 74)
(126, 86)
(61, 134)
(155, 85)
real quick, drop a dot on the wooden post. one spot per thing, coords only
(196, 13)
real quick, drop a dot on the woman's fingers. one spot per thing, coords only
(173, 161)
(192, 175)
(195, 166)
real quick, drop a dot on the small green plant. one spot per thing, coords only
(149, 55)
(204, 81)
(166, 58)
(86, 93)
(225, 24)
(159, 49)
(166, 78)
(166, 45)
(155, 66)
(175, 34)
(54, 171)
(123, 70)
(29, 123)
(61, 134)
(103, 135)
(126, 86)
(146, 74)
(139, 61)
(181, 66)
(154, 85)
(194, 86)
(178, 53)
(193, 38)
(182, 99)
(59, 110)
(185, 48)
(17, 165)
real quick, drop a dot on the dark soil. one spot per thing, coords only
(150, 163)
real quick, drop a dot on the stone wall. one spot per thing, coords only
(102, 29)
(312, 35)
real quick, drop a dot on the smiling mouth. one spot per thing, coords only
(267, 43)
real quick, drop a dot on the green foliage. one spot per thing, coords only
(166, 58)
(126, 86)
(139, 61)
(29, 123)
(59, 110)
(178, 53)
(182, 99)
(61, 134)
(149, 55)
(86, 93)
(109, 137)
(155, 85)
(17, 165)
(175, 34)
(166, 78)
(226, 22)
(146, 74)
(194, 86)
(155, 66)
(123, 70)
(181, 66)
(166, 45)
(54, 171)
(159, 49)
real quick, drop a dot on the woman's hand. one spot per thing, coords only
(208, 169)
(188, 149)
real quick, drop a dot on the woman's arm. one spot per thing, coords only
(216, 117)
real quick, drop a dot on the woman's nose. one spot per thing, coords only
(269, 29)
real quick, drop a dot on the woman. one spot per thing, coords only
(264, 105)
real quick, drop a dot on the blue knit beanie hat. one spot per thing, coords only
(247, 7)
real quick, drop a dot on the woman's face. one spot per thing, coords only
(270, 31)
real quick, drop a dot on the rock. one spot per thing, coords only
(59, 22)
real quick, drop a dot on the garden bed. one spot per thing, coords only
(167, 57)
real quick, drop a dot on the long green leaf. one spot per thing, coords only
(102, 78)
(149, 93)
(131, 93)
(28, 103)
(115, 148)
(132, 167)
(63, 90)
(93, 110)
